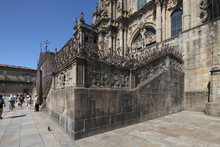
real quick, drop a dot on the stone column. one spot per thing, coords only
(121, 41)
(164, 23)
(80, 73)
(215, 85)
(110, 8)
(132, 83)
(125, 41)
(110, 45)
(186, 15)
(213, 107)
(158, 21)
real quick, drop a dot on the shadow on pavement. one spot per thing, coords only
(17, 116)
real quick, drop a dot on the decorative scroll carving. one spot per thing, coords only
(172, 4)
(147, 55)
(119, 5)
(66, 54)
(155, 68)
(204, 4)
(204, 14)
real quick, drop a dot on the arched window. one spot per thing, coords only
(215, 8)
(140, 3)
(138, 38)
(149, 32)
(176, 22)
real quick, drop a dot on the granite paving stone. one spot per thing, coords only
(23, 127)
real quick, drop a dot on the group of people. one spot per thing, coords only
(18, 99)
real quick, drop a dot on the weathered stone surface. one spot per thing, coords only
(195, 101)
(213, 109)
(100, 108)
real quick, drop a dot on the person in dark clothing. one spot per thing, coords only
(36, 105)
(2, 102)
(21, 99)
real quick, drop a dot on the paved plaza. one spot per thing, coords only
(23, 127)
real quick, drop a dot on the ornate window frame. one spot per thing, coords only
(176, 22)
(145, 40)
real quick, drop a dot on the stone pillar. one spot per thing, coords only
(110, 45)
(213, 107)
(163, 33)
(186, 15)
(110, 10)
(125, 42)
(215, 85)
(132, 83)
(158, 21)
(80, 75)
(121, 40)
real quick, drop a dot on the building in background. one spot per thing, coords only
(17, 79)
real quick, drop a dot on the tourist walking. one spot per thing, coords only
(2, 102)
(21, 100)
(29, 100)
(12, 100)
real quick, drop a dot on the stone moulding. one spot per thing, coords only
(90, 51)
(106, 74)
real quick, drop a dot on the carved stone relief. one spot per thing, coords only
(150, 71)
(176, 65)
(119, 5)
(64, 79)
(103, 77)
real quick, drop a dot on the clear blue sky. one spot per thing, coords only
(24, 24)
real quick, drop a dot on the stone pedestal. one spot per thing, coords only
(213, 107)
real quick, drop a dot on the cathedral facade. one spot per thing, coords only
(135, 26)
(139, 60)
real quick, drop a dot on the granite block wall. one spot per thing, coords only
(195, 101)
(97, 110)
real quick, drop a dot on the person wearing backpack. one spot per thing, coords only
(2, 102)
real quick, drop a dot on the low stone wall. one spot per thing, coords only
(110, 97)
(60, 105)
(99, 110)
(87, 111)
